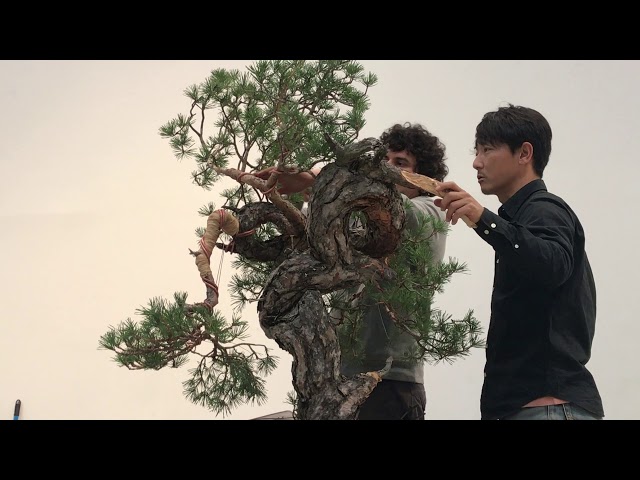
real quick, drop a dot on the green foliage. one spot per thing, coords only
(226, 375)
(246, 285)
(410, 296)
(276, 112)
(292, 399)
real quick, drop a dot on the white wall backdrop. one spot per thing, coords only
(97, 217)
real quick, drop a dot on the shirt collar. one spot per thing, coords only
(513, 204)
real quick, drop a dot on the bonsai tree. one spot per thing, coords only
(294, 256)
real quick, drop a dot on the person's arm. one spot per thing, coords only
(458, 203)
(424, 206)
(421, 206)
(290, 182)
(540, 243)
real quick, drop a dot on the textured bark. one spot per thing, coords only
(291, 310)
(276, 249)
(307, 333)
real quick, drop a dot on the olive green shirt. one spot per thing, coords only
(379, 335)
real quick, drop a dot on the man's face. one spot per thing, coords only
(404, 161)
(497, 169)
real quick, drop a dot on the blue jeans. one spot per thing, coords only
(566, 411)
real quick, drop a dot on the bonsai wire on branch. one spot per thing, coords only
(293, 263)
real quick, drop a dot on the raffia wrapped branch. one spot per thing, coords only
(269, 188)
(220, 220)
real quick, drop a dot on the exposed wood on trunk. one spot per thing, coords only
(290, 309)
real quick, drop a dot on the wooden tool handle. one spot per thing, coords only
(430, 185)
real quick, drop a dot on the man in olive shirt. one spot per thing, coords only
(401, 394)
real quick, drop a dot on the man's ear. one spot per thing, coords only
(526, 154)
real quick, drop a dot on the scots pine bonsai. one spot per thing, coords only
(293, 264)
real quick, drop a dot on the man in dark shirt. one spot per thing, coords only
(543, 306)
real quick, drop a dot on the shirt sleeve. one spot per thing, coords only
(539, 242)
(424, 206)
(420, 206)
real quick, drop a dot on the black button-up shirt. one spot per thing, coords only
(543, 306)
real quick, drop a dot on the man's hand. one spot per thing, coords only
(457, 203)
(288, 182)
